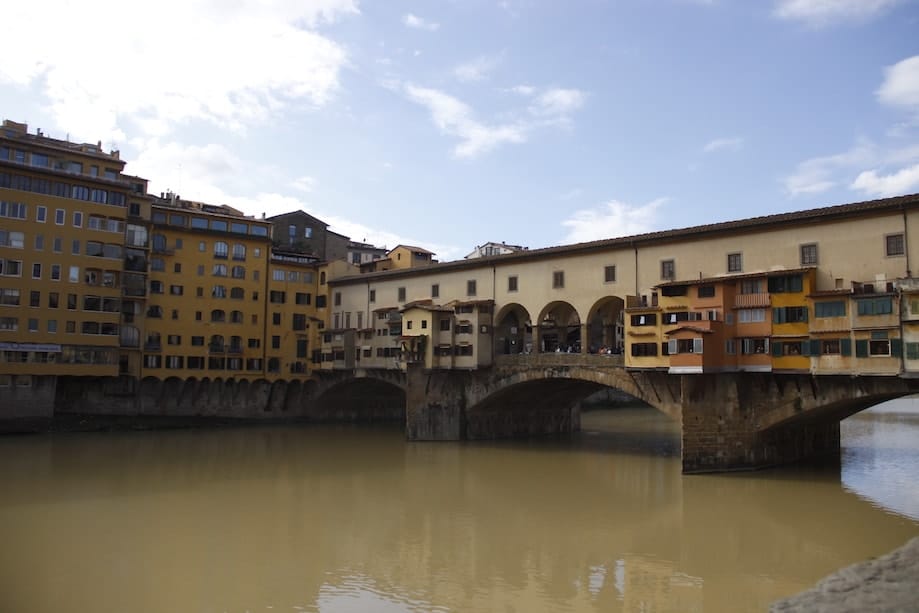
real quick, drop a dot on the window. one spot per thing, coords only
(15, 210)
(643, 349)
(277, 297)
(751, 346)
(276, 319)
(400, 294)
(156, 287)
(470, 287)
(302, 298)
(75, 247)
(219, 291)
(649, 319)
(308, 232)
(809, 254)
(275, 342)
(53, 298)
(36, 271)
(177, 267)
(791, 314)
(706, 291)
(684, 345)
(735, 262)
(786, 283)
(748, 316)
(875, 306)
(558, 279)
(668, 269)
(278, 275)
(512, 283)
(156, 264)
(894, 244)
(197, 341)
(41, 214)
(830, 347)
(9, 297)
(836, 308)
(239, 251)
(57, 244)
(237, 293)
(39, 242)
(730, 346)
(337, 299)
(220, 249)
(444, 325)
(219, 270)
(77, 219)
(435, 290)
(34, 298)
(238, 272)
(55, 272)
(59, 217)
(373, 295)
(202, 246)
(14, 240)
(752, 286)
(609, 274)
(176, 290)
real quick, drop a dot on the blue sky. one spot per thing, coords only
(448, 124)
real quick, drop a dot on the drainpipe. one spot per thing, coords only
(909, 272)
(635, 249)
(494, 302)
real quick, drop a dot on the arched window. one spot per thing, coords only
(239, 251)
(322, 278)
(236, 317)
(239, 272)
(237, 293)
(220, 249)
(219, 291)
(218, 316)
(216, 343)
(236, 344)
(159, 242)
(220, 270)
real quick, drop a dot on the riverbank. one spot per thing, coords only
(120, 423)
(887, 583)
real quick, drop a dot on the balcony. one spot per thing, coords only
(153, 346)
(749, 301)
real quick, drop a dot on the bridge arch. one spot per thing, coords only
(559, 328)
(366, 397)
(513, 330)
(604, 324)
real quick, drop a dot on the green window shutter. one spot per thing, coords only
(778, 315)
(912, 351)
(811, 347)
(806, 313)
(697, 345)
(896, 347)
(671, 346)
(861, 348)
(796, 284)
(845, 346)
(776, 349)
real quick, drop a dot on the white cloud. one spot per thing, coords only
(523, 90)
(904, 181)
(901, 84)
(455, 118)
(723, 144)
(825, 12)
(477, 69)
(186, 60)
(612, 219)
(413, 21)
(304, 184)
(819, 174)
(558, 101)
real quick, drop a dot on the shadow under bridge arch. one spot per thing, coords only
(359, 400)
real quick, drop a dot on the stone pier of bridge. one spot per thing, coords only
(729, 421)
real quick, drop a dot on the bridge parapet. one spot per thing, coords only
(551, 360)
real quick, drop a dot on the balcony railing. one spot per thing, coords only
(746, 301)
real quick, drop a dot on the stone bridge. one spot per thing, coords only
(729, 421)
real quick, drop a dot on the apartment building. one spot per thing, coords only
(70, 243)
